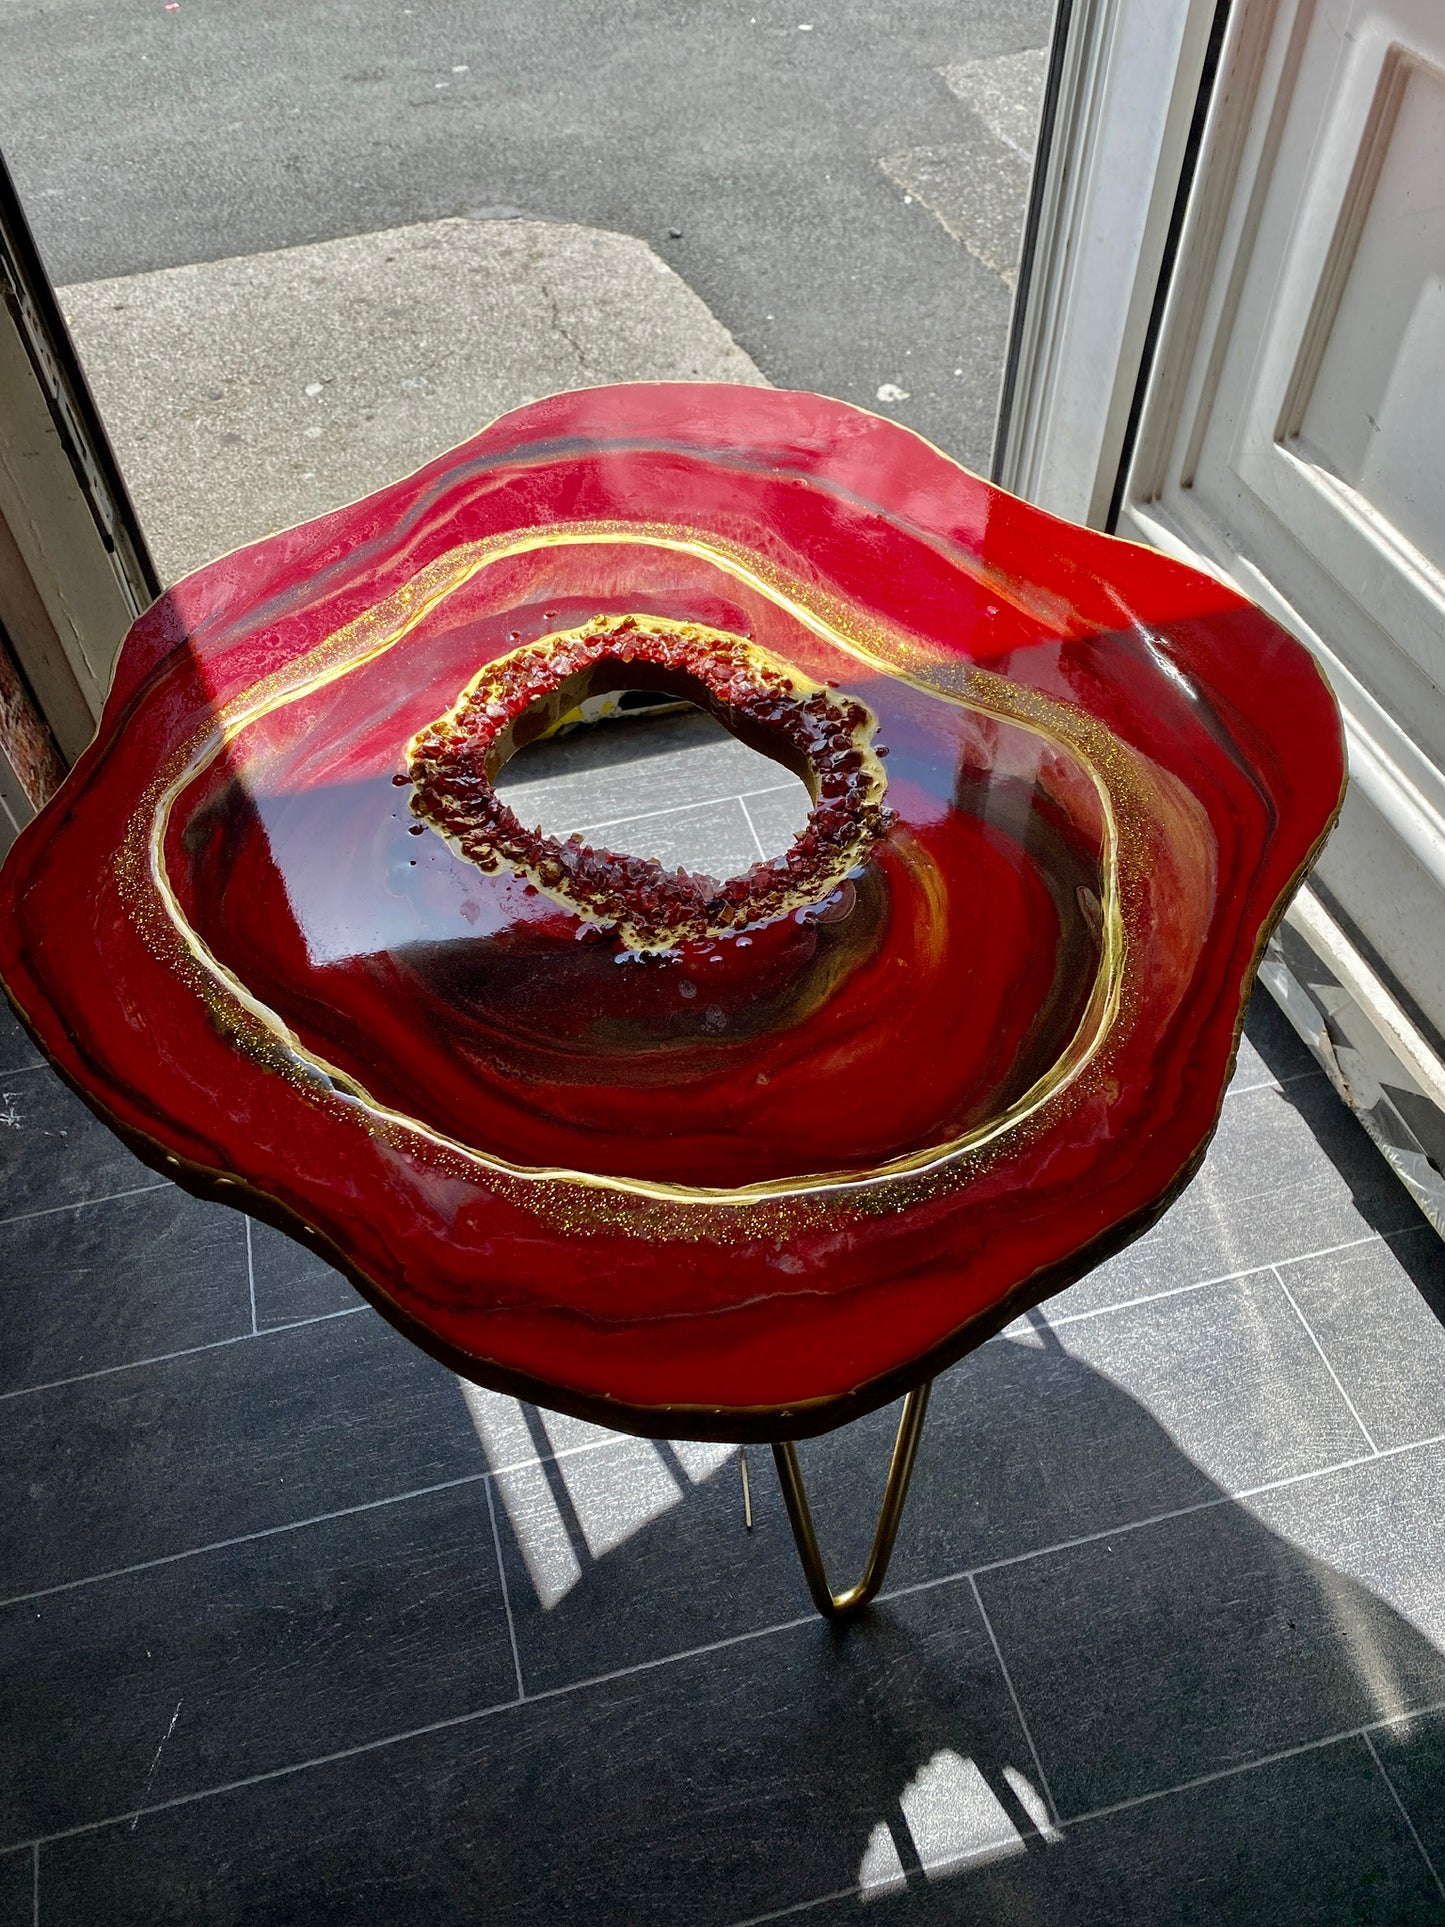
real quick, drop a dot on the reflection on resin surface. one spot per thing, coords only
(759, 1148)
(765, 1048)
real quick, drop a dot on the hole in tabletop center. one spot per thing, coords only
(647, 773)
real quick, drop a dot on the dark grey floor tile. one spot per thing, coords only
(17, 1888)
(778, 814)
(16, 1049)
(725, 1784)
(1231, 1374)
(204, 1671)
(1024, 1446)
(53, 1151)
(107, 1472)
(636, 1550)
(1412, 1753)
(291, 1282)
(1272, 1038)
(711, 839)
(1190, 1647)
(1251, 1072)
(1379, 1314)
(1289, 1172)
(631, 1550)
(103, 1284)
(1310, 1840)
(1381, 1527)
(1270, 1049)
(1047, 1436)
(620, 771)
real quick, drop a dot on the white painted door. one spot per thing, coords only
(1291, 436)
(1295, 429)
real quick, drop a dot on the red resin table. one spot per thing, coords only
(736, 1159)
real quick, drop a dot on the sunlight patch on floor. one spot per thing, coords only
(611, 1485)
(953, 1818)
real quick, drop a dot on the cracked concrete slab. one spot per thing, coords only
(978, 189)
(1006, 93)
(978, 186)
(247, 394)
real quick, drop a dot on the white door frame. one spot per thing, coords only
(1122, 256)
(1123, 111)
(74, 569)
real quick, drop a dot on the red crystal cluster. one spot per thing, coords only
(452, 764)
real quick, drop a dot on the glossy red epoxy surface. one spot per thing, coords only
(760, 1177)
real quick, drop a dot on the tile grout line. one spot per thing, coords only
(289, 1525)
(22, 1070)
(1167, 1518)
(1255, 1766)
(186, 1351)
(799, 1907)
(131, 1365)
(1093, 1814)
(963, 1573)
(506, 1591)
(241, 1539)
(134, 1814)
(675, 809)
(81, 1204)
(350, 1311)
(1324, 1360)
(742, 802)
(1018, 1709)
(316, 1318)
(954, 1578)
(650, 1665)
(1057, 1322)
(251, 1276)
(1272, 1083)
(1127, 1526)
(1188, 1786)
(1384, 1774)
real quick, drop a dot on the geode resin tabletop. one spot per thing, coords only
(735, 1158)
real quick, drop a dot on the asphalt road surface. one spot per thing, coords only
(144, 135)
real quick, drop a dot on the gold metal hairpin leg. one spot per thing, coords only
(840, 1605)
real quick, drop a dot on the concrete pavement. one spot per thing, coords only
(247, 394)
(144, 137)
(978, 185)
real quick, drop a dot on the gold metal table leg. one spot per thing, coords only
(840, 1605)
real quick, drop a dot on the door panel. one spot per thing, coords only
(1366, 414)
(1293, 428)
